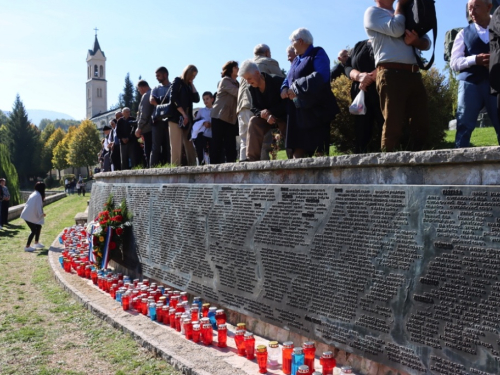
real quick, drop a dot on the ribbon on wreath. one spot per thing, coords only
(105, 253)
(90, 238)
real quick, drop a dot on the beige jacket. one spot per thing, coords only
(266, 65)
(225, 104)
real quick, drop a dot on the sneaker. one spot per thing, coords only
(39, 245)
(29, 249)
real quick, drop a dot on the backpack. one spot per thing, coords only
(421, 17)
(449, 39)
(495, 52)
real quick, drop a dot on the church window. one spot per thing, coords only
(96, 72)
(101, 72)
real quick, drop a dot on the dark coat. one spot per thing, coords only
(270, 99)
(183, 96)
(495, 52)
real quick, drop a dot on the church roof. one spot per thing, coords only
(97, 47)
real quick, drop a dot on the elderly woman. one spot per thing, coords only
(312, 105)
(360, 67)
(224, 119)
(183, 95)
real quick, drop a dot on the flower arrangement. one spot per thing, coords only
(106, 232)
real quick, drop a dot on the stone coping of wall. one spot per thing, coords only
(476, 155)
(15, 211)
(188, 357)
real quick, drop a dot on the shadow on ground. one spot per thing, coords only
(10, 230)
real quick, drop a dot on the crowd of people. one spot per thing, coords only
(301, 105)
(72, 184)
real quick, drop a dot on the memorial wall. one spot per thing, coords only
(404, 275)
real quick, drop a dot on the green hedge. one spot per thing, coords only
(9, 172)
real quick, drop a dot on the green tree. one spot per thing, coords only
(126, 99)
(24, 136)
(47, 133)
(440, 108)
(137, 100)
(60, 153)
(453, 84)
(84, 146)
(63, 124)
(48, 150)
(8, 171)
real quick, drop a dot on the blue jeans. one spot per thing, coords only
(471, 99)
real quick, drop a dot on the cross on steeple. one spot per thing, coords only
(96, 30)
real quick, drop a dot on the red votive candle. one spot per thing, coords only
(126, 301)
(239, 339)
(195, 313)
(249, 345)
(188, 329)
(262, 359)
(222, 336)
(184, 296)
(165, 314)
(220, 317)
(328, 363)
(208, 334)
(178, 316)
(309, 355)
(287, 357)
(204, 310)
(171, 317)
(196, 333)
(144, 306)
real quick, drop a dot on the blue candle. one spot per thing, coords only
(297, 360)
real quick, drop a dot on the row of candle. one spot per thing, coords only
(172, 308)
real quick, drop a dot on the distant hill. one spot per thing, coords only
(37, 115)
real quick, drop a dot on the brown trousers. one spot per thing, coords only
(178, 140)
(403, 101)
(257, 129)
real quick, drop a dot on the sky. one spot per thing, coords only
(44, 44)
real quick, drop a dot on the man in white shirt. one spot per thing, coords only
(471, 57)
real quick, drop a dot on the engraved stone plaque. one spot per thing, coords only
(407, 276)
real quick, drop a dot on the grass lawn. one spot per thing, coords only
(480, 137)
(42, 329)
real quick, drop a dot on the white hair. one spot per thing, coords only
(289, 48)
(248, 66)
(303, 34)
(126, 109)
(261, 49)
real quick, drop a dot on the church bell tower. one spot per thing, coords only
(97, 93)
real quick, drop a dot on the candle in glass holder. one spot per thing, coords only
(152, 311)
(163, 300)
(328, 363)
(88, 271)
(112, 291)
(346, 370)
(199, 302)
(136, 304)
(195, 313)
(239, 339)
(136, 281)
(297, 360)
(262, 359)
(211, 316)
(171, 316)
(316, 373)
(126, 301)
(309, 354)
(273, 354)
(144, 306)
(222, 335)
(145, 282)
(196, 333)
(174, 300)
(304, 369)
(249, 345)
(178, 316)
(166, 317)
(204, 310)
(154, 286)
(220, 317)
(207, 334)
(159, 312)
(184, 296)
(93, 276)
(183, 317)
(188, 329)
